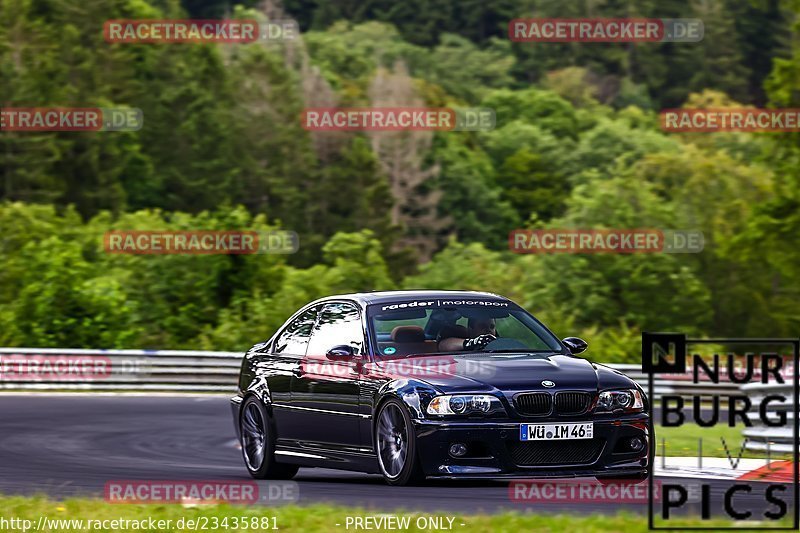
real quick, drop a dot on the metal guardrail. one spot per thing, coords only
(121, 370)
(197, 371)
(761, 437)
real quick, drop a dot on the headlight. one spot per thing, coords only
(464, 404)
(627, 400)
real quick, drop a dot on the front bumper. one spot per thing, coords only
(495, 450)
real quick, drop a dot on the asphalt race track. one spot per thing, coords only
(69, 445)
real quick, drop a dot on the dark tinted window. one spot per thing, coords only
(514, 328)
(294, 339)
(338, 324)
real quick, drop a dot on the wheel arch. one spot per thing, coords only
(413, 394)
(260, 394)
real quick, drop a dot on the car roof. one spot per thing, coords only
(378, 297)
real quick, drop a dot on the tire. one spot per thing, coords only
(258, 443)
(396, 445)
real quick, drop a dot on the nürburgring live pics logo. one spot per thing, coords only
(753, 505)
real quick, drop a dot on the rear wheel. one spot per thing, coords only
(396, 445)
(258, 443)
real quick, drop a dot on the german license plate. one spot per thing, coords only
(580, 430)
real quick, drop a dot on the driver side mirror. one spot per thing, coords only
(341, 352)
(575, 345)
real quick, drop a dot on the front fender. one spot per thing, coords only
(413, 393)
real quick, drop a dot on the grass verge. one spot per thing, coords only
(311, 519)
(683, 441)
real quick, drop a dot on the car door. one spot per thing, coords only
(285, 360)
(325, 395)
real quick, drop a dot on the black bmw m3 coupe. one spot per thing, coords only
(446, 384)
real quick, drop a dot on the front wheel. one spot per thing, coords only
(258, 443)
(396, 445)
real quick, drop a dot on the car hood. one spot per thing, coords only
(508, 373)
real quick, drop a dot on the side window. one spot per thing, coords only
(294, 339)
(338, 324)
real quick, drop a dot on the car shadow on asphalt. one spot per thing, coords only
(351, 478)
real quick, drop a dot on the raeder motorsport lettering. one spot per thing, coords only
(443, 303)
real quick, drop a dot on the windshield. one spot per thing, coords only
(413, 328)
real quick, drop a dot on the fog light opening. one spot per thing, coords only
(458, 449)
(636, 444)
